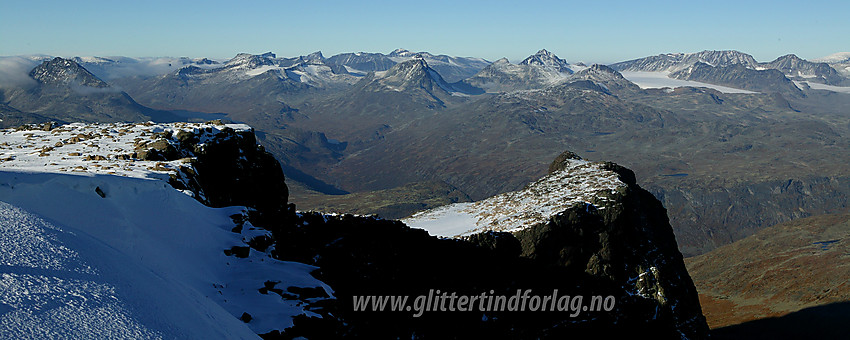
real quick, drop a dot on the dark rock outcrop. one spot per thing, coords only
(225, 167)
(620, 246)
(624, 237)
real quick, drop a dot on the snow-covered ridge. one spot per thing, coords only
(105, 149)
(97, 244)
(580, 182)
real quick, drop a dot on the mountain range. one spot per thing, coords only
(338, 131)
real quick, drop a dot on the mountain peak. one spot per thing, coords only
(248, 60)
(400, 52)
(315, 56)
(502, 60)
(546, 59)
(412, 74)
(60, 71)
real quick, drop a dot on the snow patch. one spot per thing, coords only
(581, 182)
(651, 80)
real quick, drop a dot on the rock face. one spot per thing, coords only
(227, 167)
(590, 218)
(624, 237)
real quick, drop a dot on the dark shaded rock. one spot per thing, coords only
(100, 192)
(246, 318)
(238, 251)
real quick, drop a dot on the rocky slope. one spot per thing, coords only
(790, 267)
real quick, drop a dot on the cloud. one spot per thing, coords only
(14, 72)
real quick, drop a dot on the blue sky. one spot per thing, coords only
(592, 31)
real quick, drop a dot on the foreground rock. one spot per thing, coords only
(586, 228)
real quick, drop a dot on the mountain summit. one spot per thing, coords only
(413, 74)
(61, 71)
(549, 60)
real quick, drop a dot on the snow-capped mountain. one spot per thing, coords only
(414, 74)
(537, 71)
(604, 76)
(835, 58)
(59, 72)
(790, 65)
(656, 63)
(60, 89)
(739, 76)
(839, 61)
(671, 62)
(361, 63)
(548, 60)
(98, 244)
(799, 69)
(452, 69)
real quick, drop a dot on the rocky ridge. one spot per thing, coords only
(588, 217)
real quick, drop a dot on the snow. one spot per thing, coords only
(66, 149)
(840, 57)
(144, 261)
(581, 182)
(262, 69)
(649, 80)
(819, 86)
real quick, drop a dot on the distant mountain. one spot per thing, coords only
(361, 63)
(410, 75)
(738, 76)
(802, 70)
(839, 61)
(452, 69)
(790, 65)
(537, 71)
(676, 61)
(656, 63)
(606, 77)
(263, 80)
(65, 91)
(548, 60)
(110, 68)
(64, 72)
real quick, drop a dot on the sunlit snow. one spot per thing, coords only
(580, 182)
(651, 80)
